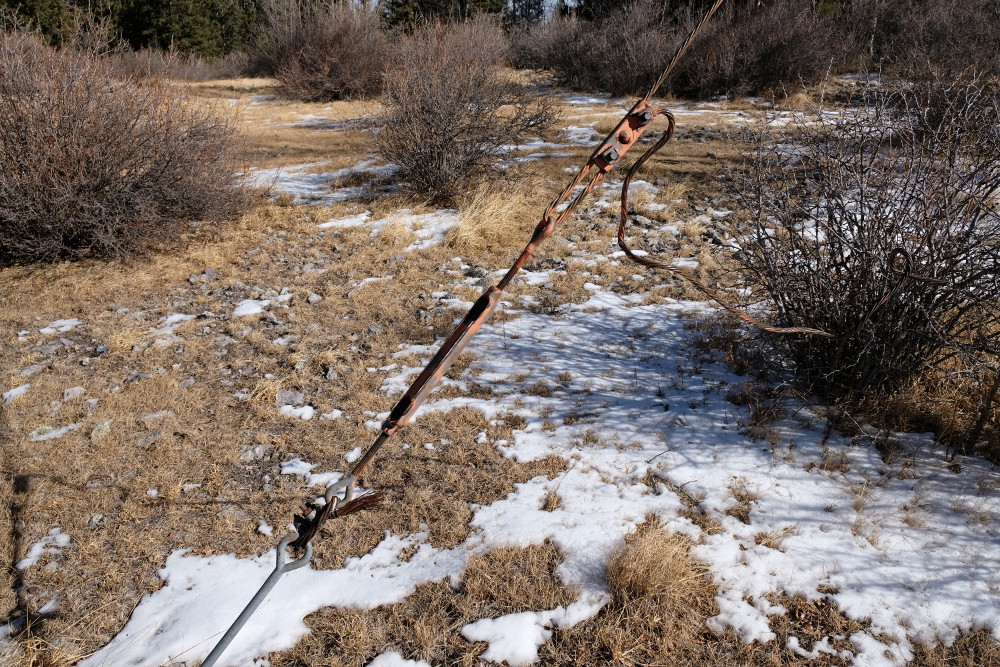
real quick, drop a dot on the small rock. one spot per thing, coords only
(331, 374)
(74, 393)
(189, 487)
(85, 361)
(314, 298)
(157, 417)
(288, 397)
(188, 383)
(210, 274)
(101, 430)
(33, 369)
(101, 350)
(252, 453)
(150, 439)
(96, 521)
(374, 329)
(193, 279)
(269, 294)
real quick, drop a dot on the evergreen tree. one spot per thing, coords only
(209, 29)
(526, 12)
(52, 18)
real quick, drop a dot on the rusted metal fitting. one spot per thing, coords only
(624, 136)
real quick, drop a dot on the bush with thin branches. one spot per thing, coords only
(96, 163)
(452, 111)
(748, 48)
(321, 51)
(753, 48)
(881, 226)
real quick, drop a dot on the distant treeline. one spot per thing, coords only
(214, 28)
(793, 40)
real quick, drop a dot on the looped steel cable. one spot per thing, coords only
(604, 158)
(680, 271)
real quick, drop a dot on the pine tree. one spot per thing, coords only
(209, 29)
(52, 18)
(526, 12)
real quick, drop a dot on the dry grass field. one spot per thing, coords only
(174, 439)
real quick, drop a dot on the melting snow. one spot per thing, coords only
(61, 326)
(904, 544)
(52, 543)
(9, 396)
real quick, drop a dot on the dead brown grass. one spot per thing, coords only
(427, 625)
(214, 459)
(497, 215)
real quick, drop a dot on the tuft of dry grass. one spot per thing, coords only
(496, 215)
(661, 597)
(744, 498)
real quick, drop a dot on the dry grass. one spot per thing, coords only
(215, 460)
(496, 215)
(427, 625)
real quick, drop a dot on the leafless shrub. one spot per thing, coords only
(535, 46)
(152, 64)
(621, 59)
(451, 110)
(751, 48)
(321, 51)
(881, 227)
(97, 164)
(933, 35)
(747, 48)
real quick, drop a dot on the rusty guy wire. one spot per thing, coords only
(605, 157)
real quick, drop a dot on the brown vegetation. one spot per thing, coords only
(879, 227)
(451, 110)
(97, 164)
(321, 51)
